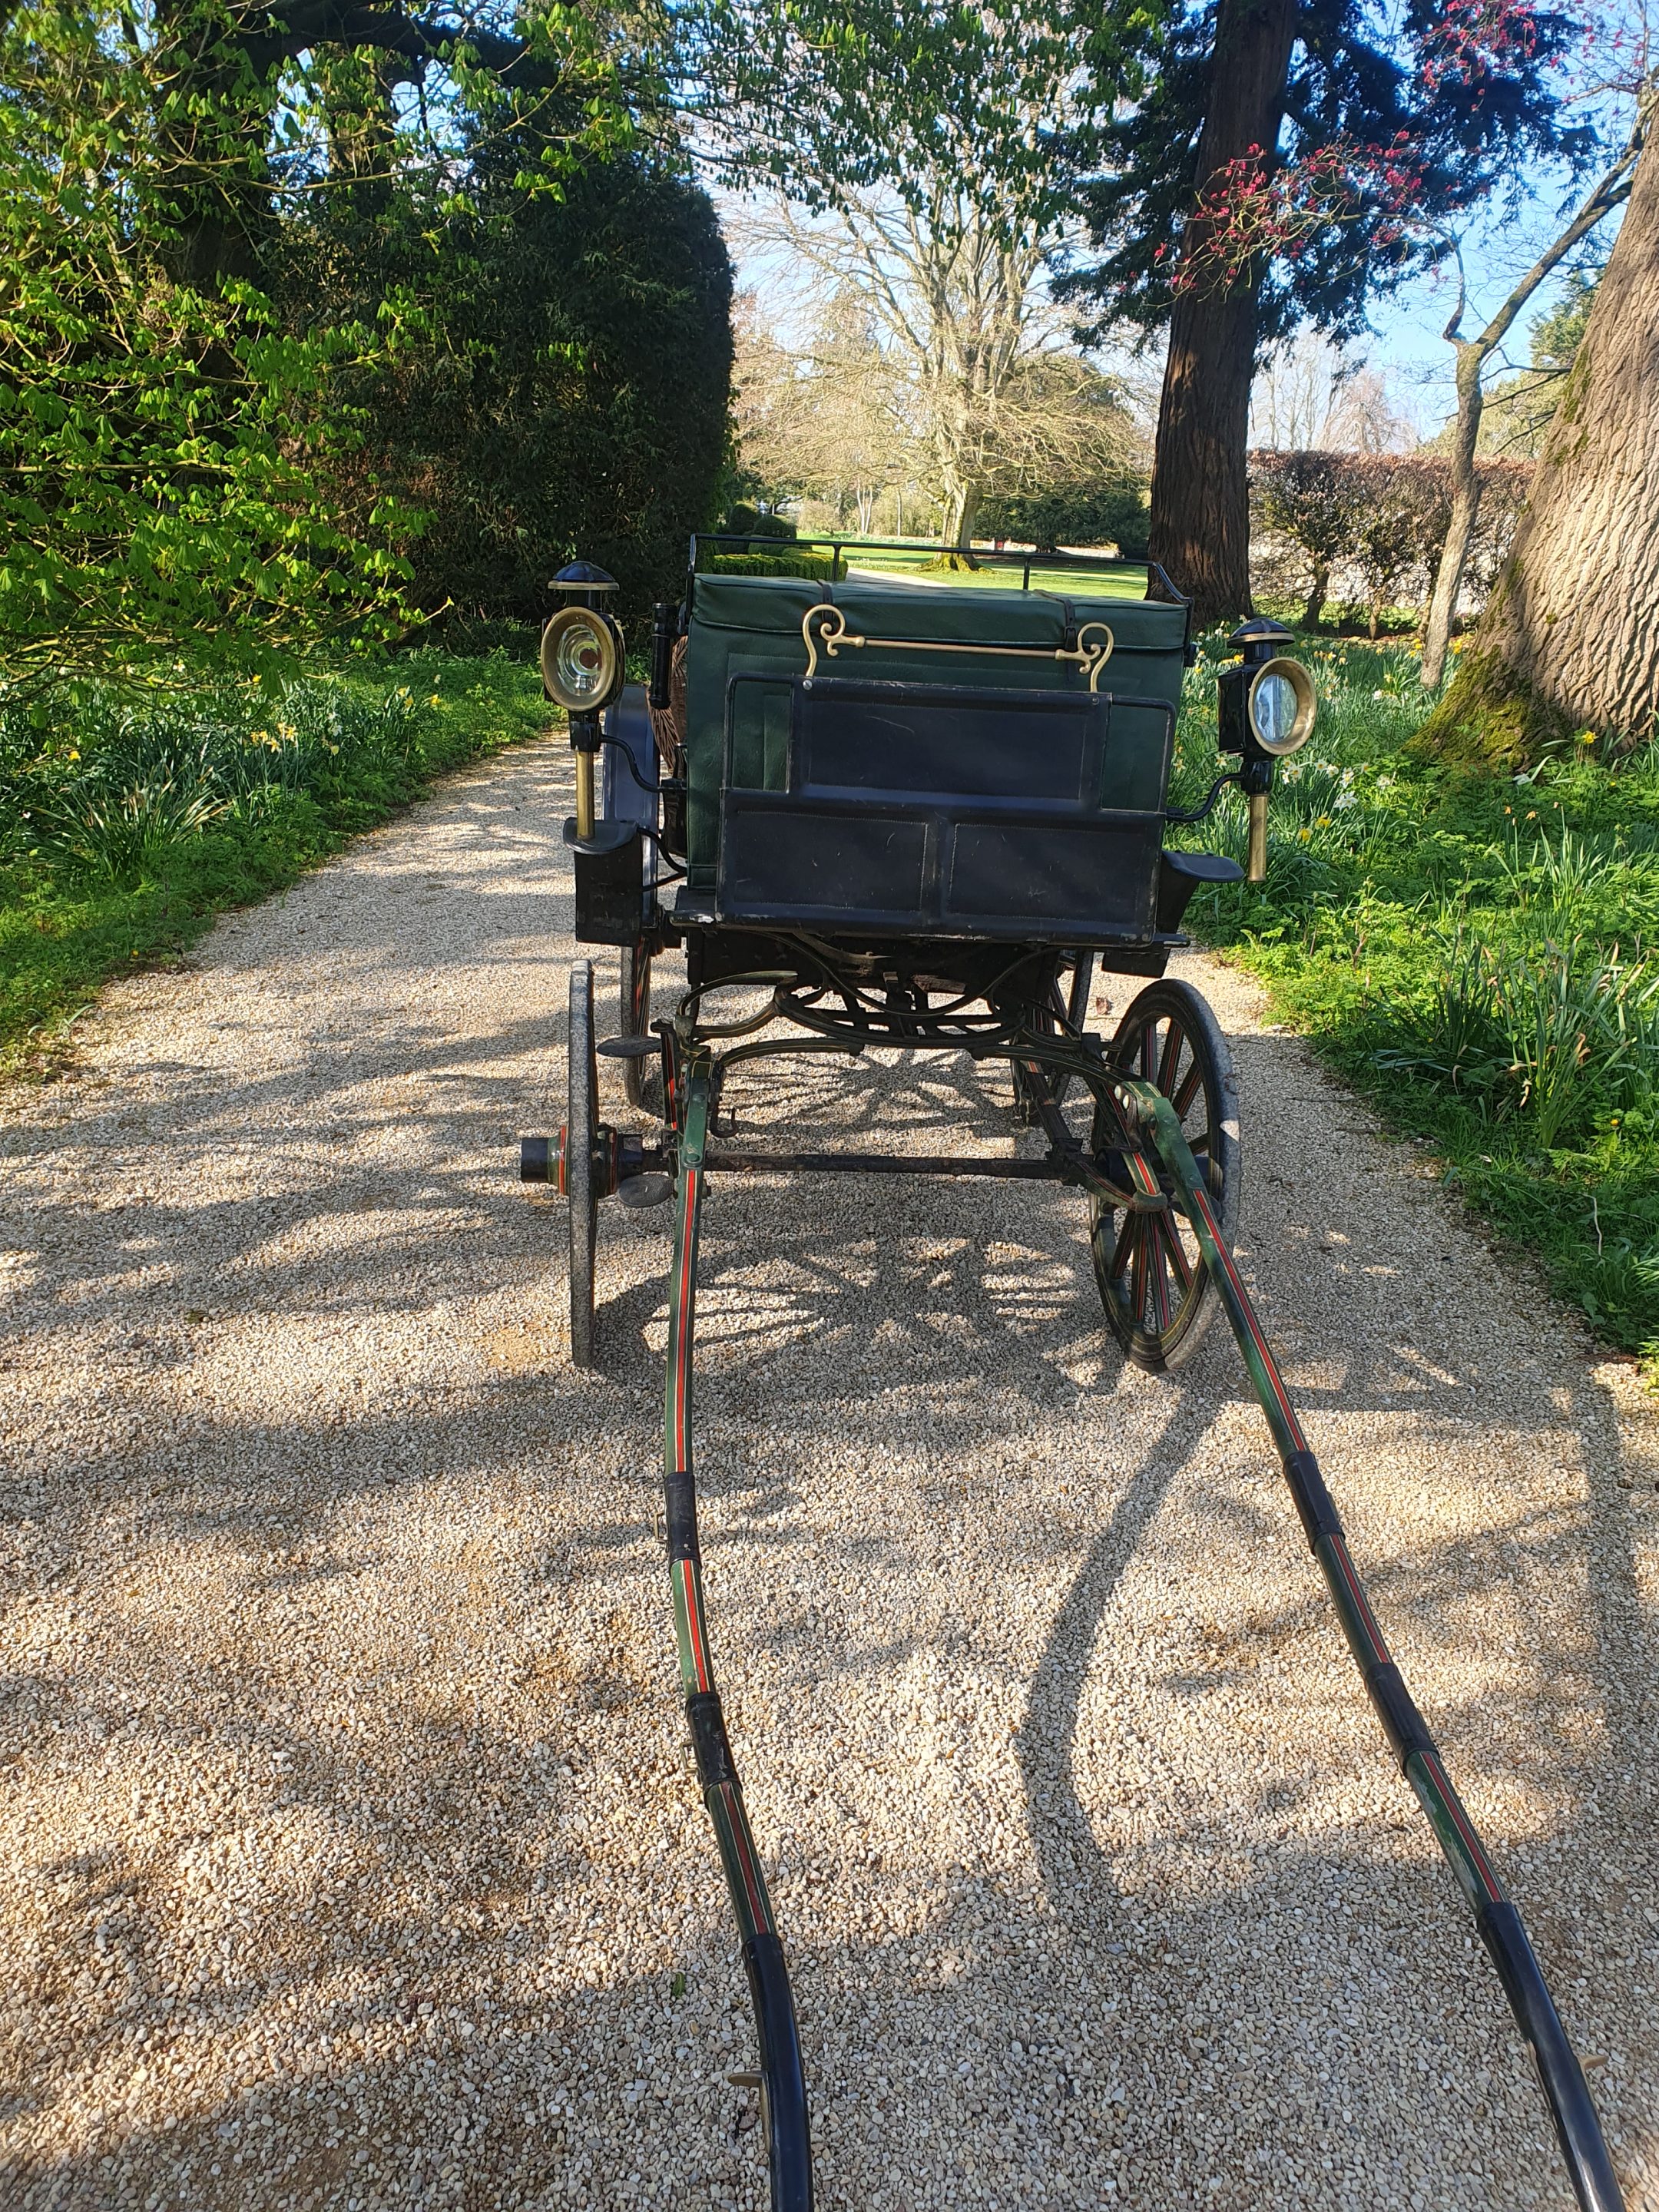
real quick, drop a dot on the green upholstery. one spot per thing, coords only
(752, 625)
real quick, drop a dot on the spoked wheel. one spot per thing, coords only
(1153, 1282)
(581, 1187)
(642, 1078)
(1069, 997)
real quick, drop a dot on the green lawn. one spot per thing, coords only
(920, 564)
(1474, 955)
(129, 819)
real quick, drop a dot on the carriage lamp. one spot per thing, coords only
(1266, 707)
(582, 666)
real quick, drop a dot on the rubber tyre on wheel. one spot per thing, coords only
(579, 1179)
(641, 1079)
(1154, 1286)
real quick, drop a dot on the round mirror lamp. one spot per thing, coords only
(1282, 704)
(581, 661)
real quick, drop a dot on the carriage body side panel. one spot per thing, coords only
(748, 717)
(944, 811)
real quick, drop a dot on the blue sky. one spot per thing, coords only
(1407, 345)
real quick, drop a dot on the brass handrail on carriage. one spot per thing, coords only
(825, 625)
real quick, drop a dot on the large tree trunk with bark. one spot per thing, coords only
(1200, 518)
(1569, 639)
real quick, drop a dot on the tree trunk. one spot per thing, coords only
(217, 92)
(1316, 607)
(1200, 518)
(1569, 639)
(961, 509)
(1465, 503)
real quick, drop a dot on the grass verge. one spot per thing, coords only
(1475, 953)
(129, 819)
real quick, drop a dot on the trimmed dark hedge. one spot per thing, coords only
(1073, 514)
(574, 396)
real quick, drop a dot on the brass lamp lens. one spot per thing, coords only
(581, 661)
(1282, 707)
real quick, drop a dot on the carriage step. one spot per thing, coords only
(629, 1047)
(641, 1190)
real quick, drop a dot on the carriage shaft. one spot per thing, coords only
(1048, 1169)
(1496, 1917)
(782, 2074)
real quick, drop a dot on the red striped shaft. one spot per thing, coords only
(1578, 2129)
(789, 2149)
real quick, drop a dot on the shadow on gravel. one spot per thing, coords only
(438, 1764)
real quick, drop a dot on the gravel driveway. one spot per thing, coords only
(349, 1854)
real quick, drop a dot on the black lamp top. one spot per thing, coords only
(583, 576)
(1259, 638)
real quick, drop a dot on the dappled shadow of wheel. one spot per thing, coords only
(1153, 1283)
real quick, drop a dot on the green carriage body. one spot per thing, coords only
(979, 786)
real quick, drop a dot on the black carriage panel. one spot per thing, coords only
(942, 810)
(917, 739)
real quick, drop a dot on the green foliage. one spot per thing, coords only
(1520, 409)
(1093, 513)
(931, 103)
(164, 447)
(1477, 954)
(743, 520)
(823, 567)
(130, 817)
(563, 387)
(1405, 136)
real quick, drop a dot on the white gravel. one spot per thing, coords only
(349, 1854)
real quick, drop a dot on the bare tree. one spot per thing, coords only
(1473, 354)
(821, 420)
(961, 362)
(1311, 396)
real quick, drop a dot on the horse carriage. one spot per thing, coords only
(880, 814)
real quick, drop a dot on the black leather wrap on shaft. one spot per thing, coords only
(1402, 1723)
(1593, 2178)
(789, 2148)
(1314, 1506)
(710, 1740)
(680, 1509)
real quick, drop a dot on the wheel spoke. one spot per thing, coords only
(1174, 1037)
(1159, 1274)
(1169, 1237)
(1120, 1249)
(1138, 1272)
(1182, 1099)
